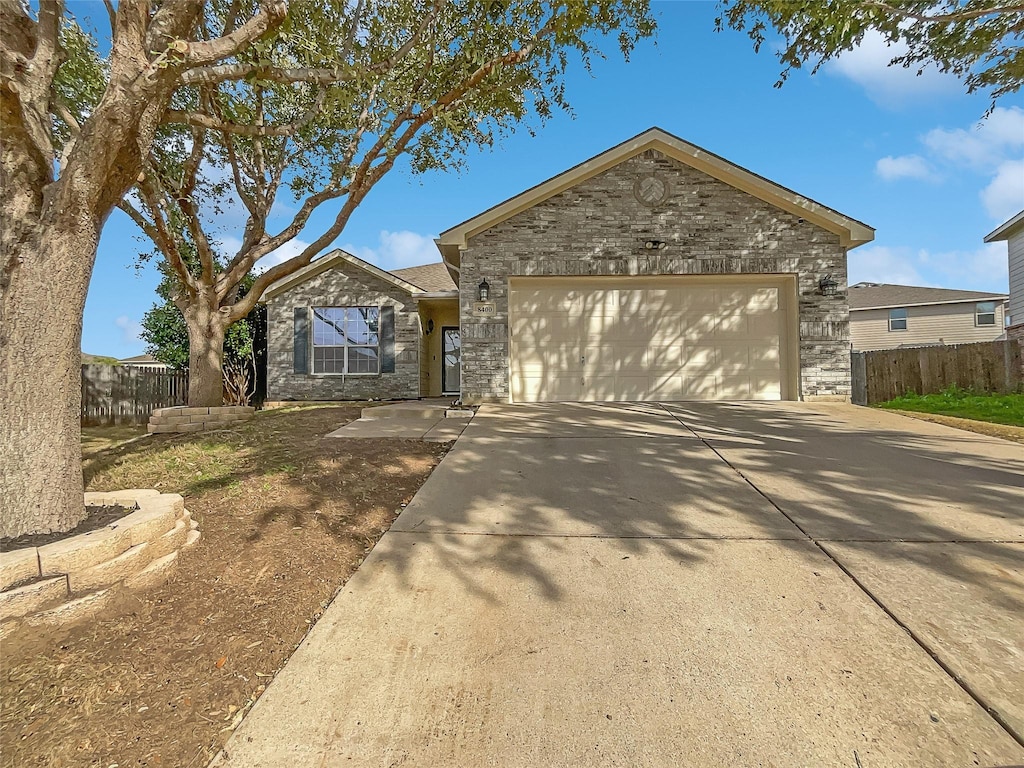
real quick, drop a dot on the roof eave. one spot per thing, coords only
(975, 300)
(851, 232)
(1007, 228)
(324, 263)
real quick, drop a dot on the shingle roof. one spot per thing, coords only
(429, 277)
(140, 359)
(871, 295)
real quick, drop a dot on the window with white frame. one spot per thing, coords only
(346, 340)
(985, 313)
(898, 319)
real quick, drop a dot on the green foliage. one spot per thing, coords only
(954, 401)
(979, 41)
(166, 335)
(98, 359)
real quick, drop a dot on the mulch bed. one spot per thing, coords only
(96, 517)
(162, 678)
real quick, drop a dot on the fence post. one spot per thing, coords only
(859, 379)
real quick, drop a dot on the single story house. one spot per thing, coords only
(1012, 231)
(144, 361)
(884, 316)
(653, 271)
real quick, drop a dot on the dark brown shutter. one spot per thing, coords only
(387, 339)
(300, 352)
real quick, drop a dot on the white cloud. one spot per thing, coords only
(882, 264)
(1004, 196)
(287, 251)
(992, 148)
(984, 269)
(985, 145)
(904, 167)
(890, 86)
(398, 249)
(130, 329)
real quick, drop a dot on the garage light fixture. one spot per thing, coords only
(655, 245)
(828, 286)
(483, 291)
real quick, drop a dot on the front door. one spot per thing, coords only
(451, 364)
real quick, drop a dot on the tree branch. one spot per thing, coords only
(158, 233)
(943, 18)
(211, 123)
(315, 75)
(272, 13)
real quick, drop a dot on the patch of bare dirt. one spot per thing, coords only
(1005, 431)
(161, 679)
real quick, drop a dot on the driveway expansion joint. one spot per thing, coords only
(921, 643)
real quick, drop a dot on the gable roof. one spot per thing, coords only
(430, 277)
(140, 359)
(851, 232)
(885, 296)
(325, 262)
(1007, 228)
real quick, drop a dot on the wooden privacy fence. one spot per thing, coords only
(989, 366)
(120, 394)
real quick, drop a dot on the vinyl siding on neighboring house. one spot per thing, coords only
(926, 325)
(1016, 246)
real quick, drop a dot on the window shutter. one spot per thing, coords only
(387, 339)
(300, 354)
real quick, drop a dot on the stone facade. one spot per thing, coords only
(598, 227)
(342, 285)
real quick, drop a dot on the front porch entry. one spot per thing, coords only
(440, 347)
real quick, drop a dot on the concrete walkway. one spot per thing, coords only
(433, 420)
(691, 585)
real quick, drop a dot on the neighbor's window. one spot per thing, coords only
(345, 340)
(985, 313)
(898, 319)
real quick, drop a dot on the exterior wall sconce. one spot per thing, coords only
(655, 245)
(483, 291)
(430, 326)
(828, 286)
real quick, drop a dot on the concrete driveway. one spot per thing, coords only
(682, 585)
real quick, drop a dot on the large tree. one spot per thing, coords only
(979, 41)
(74, 141)
(211, 83)
(321, 122)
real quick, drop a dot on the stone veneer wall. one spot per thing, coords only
(342, 285)
(599, 228)
(182, 418)
(69, 579)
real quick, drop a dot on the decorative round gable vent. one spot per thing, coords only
(652, 190)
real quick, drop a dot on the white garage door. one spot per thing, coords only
(689, 338)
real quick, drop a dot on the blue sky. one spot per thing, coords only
(905, 154)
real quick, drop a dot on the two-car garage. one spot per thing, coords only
(652, 338)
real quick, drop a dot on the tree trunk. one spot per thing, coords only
(41, 306)
(206, 329)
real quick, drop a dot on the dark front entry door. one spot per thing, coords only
(451, 363)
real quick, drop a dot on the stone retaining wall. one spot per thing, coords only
(184, 419)
(68, 579)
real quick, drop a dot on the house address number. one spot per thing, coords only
(484, 309)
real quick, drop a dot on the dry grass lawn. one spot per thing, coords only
(161, 678)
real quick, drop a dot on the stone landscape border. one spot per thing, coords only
(182, 418)
(65, 580)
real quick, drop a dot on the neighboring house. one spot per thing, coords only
(143, 361)
(653, 271)
(1012, 232)
(884, 316)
